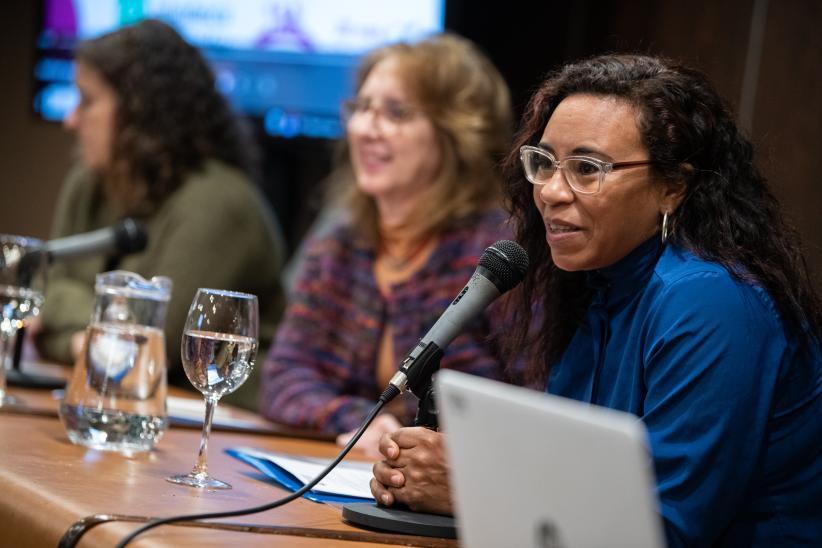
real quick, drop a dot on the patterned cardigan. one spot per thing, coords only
(321, 371)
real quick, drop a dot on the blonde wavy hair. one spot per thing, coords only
(468, 102)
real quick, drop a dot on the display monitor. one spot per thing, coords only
(290, 63)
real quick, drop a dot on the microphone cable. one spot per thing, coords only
(389, 394)
(502, 266)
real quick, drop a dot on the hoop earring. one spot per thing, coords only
(664, 227)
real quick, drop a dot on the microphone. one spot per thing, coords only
(127, 236)
(501, 267)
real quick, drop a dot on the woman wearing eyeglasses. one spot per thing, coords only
(420, 190)
(671, 288)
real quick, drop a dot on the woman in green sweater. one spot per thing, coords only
(158, 143)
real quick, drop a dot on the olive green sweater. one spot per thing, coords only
(215, 231)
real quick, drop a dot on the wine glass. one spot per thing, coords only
(218, 350)
(22, 278)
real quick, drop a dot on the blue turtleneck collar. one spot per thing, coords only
(625, 275)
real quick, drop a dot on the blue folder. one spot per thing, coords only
(286, 480)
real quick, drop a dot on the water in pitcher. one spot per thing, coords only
(117, 397)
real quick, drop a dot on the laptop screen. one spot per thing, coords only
(530, 469)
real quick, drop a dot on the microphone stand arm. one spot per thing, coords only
(427, 413)
(415, 374)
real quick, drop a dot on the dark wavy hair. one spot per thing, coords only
(170, 118)
(728, 214)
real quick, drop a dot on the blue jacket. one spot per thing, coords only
(732, 404)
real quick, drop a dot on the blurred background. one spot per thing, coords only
(289, 69)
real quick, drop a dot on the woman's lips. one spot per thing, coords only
(372, 160)
(558, 232)
(562, 228)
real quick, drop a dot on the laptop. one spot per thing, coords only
(533, 470)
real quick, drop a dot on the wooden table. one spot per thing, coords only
(47, 484)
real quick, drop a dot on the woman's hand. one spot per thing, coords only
(78, 341)
(414, 471)
(369, 443)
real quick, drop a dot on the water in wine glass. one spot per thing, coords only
(217, 363)
(22, 277)
(116, 400)
(18, 303)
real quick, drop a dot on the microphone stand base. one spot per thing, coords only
(16, 377)
(370, 516)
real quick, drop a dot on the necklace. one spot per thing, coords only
(399, 261)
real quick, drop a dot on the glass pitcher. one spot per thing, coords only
(116, 399)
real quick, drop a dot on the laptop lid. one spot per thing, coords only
(533, 470)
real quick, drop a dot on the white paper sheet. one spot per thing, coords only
(194, 410)
(349, 478)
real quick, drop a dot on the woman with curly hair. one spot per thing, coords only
(157, 142)
(668, 285)
(420, 190)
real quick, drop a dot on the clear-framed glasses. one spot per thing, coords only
(390, 114)
(582, 173)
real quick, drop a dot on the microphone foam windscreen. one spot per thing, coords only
(508, 261)
(130, 236)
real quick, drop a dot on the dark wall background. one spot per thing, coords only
(763, 57)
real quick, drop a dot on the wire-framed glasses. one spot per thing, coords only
(582, 173)
(390, 114)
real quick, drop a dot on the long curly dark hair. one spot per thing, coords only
(170, 118)
(728, 214)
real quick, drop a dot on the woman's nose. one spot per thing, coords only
(70, 121)
(556, 190)
(365, 125)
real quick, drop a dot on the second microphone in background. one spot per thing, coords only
(168, 152)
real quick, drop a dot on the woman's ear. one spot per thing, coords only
(673, 190)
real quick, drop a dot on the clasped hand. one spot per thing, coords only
(413, 472)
